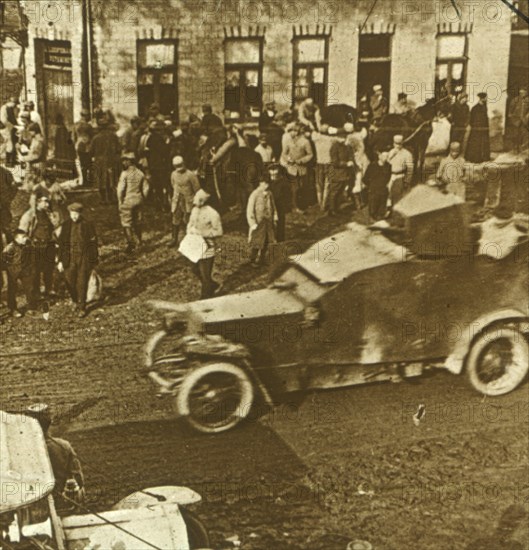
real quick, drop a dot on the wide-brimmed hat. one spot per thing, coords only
(377, 88)
(75, 207)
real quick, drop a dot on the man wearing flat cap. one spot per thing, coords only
(105, 150)
(403, 106)
(132, 191)
(378, 103)
(83, 133)
(478, 146)
(77, 254)
(451, 171)
(185, 185)
(210, 121)
(401, 161)
(63, 458)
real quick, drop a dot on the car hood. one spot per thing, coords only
(268, 302)
(335, 258)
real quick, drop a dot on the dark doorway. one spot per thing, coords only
(374, 66)
(158, 76)
(53, 61)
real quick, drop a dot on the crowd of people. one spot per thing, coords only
(197, 170)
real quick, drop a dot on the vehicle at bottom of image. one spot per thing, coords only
(428, 289)
(30, 515)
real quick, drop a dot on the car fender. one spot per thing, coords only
(152, 496)
(456, 360)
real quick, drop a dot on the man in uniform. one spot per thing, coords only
(403, 106)
(63, 458)
(38, 225)
(8, 124)
(132, 191)
(105, 150)
(478, 146)
(185, 186)
(296, 155)
(83, 133)
(77, 255)
(401, 161)
(460, 118)
(378, 104)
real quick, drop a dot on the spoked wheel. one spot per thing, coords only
(215, 397)
(498, 361)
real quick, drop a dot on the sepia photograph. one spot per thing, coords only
(264, 274)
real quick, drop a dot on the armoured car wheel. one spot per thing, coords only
(196, 532)
(498, 361)
(215, 397)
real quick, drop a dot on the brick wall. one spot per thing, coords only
(200, 26)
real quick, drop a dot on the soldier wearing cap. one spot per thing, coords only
(460, 118)
(77, 255)
(185, 185)
(210, 121)
(63, 458)
(478, 146)
(403, 106)
(105, 150)
(401, 161)
(378, 103)
(340, 171)
(158, 163)
(18, 259)
(132, 191)
(83, 133)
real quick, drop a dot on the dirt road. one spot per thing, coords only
(343, 465)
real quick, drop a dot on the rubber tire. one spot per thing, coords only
(197, 533)
(190, 380)
(520, 346)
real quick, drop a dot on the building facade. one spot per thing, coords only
(236, 55)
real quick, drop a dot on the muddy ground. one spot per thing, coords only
(342, 465)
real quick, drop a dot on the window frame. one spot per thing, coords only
(310, 65)
(451, 61)
(155, 71)
(241, 68)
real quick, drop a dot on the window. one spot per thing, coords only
(157, 76)
(310, 71)
(243, 76)
(374, 65)
(518, 24)
(451, 64)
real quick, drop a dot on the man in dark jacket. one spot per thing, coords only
(38, 225)
(18, 259)
(8, 190)
(105, 150)
(280, 188)
(210, 121)
(77, 254)
(478, 147)
(460, 116)
(376, 180)
(159, 163)
(340, 171)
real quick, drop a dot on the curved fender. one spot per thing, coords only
(455, 361)
(150, 346)
(167, 494)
